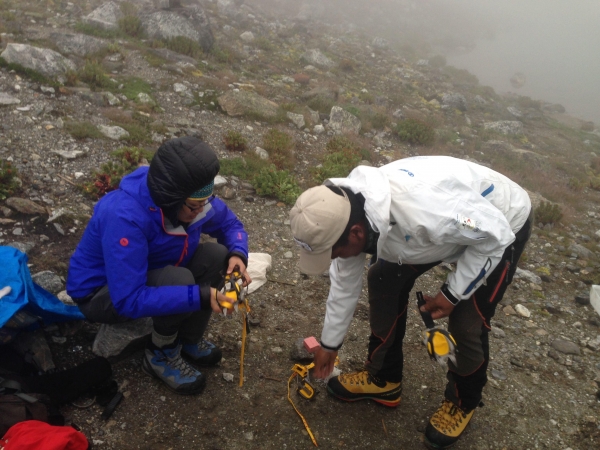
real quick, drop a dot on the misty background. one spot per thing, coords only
(554, 43)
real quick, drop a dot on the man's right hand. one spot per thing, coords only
(324, 362)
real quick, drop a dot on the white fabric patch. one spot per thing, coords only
(466, 224)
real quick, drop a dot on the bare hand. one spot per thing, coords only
(324, 362)
(218, 301)
(438, 306)
(236, 262)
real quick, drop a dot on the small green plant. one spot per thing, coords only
(461, 76)
(322, 104)
(264, 43)
(245, 168)
(342, 156)
(185, 46)
(548, 212)
(277, 183)
(347, 65)
(415, 132)
(279, 144)
(138, 133)
(131, 26)
(83, 130)
(131, 87)
(93, 74)
(91, 30)
(131, 157)
(71, 78)
(235, 141)
(8, 180)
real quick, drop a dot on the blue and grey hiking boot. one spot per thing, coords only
(167, 365)
(203, 353)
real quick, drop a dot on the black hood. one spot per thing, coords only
(180, 167)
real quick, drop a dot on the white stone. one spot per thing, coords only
(522, 311)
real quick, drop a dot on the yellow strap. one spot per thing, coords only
(243, 347)
(301, 416)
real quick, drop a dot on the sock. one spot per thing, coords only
(163, 341)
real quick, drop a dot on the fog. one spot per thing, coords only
(554, 43)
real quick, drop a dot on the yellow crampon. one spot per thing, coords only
(233, 290)
(305, 389)
(441, 346)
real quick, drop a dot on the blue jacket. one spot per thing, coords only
(127, 236)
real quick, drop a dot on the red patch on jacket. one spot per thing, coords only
(124, 242)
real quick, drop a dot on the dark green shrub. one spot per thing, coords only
(185, 46)
(321, 103)
(277, 183)
(461, 76)
(279, 144)
(131, 26)
(235, 141)
(264, 44)
(415, 132)
(342, 156)
(131, 157)
(548, 212)
(132, 87)
(93, 74)
(245, 168)
(8, 180)
(83, 130)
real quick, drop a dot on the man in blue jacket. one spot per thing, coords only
(141, 256)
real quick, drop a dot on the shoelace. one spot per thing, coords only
(179, 363)
(204, 345)
(357, 378)
(449, 417)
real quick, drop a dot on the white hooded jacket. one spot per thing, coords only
(428, 209)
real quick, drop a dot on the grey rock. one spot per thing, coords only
(106, 16)
(381, 43)
(190, 22)
(581, 251)
(24, 247)
(297, 119)
(262, 153)
(512, 127)
(582, 299)
(527, 275)
(247, 36)
(566, 347)
(341, 121)
(25, 206)
(454, 101)
(49, 281)
(7, 100)
(299, 353)
(112, 340)
(238, 103)
(78, 44)
(113, 132)
(42, 60)
(316, 58)
(515, 112)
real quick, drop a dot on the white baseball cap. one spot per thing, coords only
(318, 219)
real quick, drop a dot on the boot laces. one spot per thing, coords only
(448, 416)
(178, 363)
(357, 378)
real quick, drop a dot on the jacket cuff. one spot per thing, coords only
(451, 298)
(331, 349)
(205, 297)
(240, 255)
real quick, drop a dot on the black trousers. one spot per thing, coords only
(469, 323)
(206, 266)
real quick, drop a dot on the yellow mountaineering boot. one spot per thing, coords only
(446, 425)
(363, 386)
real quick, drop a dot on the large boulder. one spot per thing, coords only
(191, 23)
(241, 103)
(78, 44)
(43, 60)
(341, 121)
(106, 16)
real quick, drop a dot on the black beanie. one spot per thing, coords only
(180, 167)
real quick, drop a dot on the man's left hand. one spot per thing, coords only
(236, 261)
(438, 306)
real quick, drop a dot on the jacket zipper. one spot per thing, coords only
(502, 278)
(185, 244)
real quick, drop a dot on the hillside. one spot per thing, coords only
(90, 89)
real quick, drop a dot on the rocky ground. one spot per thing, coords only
(544, 387)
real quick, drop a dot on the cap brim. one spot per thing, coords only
(314, 263)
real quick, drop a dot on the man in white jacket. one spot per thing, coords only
(412, 215)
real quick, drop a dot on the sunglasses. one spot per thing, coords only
(206, 202)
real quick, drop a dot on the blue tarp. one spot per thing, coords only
(26, 295)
